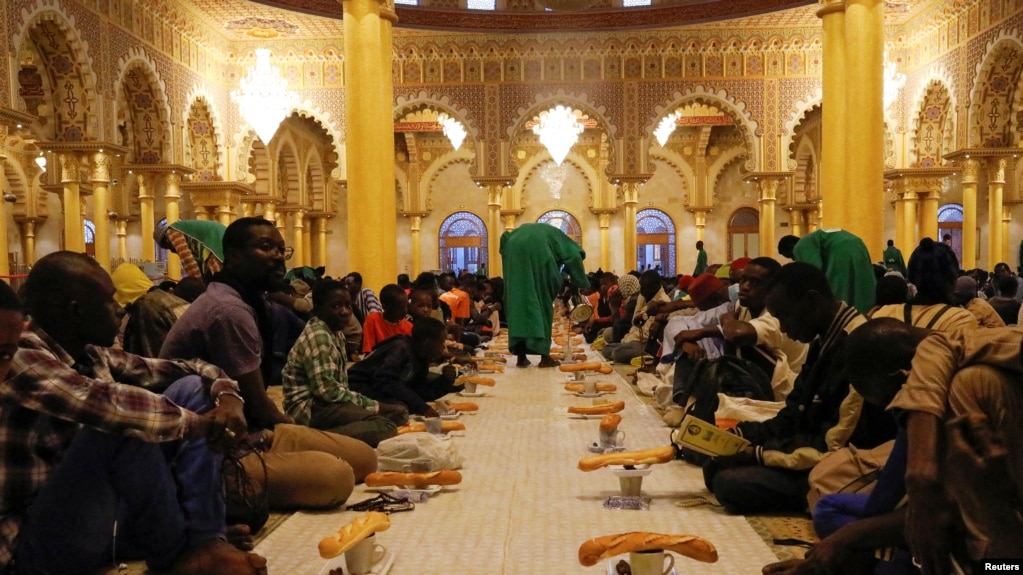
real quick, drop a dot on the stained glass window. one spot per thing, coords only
(481, 4)
(655, 241)
(463, 242)
(565, 222)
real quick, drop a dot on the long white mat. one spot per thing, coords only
(523, 507)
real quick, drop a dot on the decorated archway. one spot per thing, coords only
(462, 242)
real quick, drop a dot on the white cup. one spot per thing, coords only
(651, 562)
(469, 387)
(418, 465)
(631, 486)
(361, 558)
(433, 425)
(590, 386)
(442, 407)
(611, 438)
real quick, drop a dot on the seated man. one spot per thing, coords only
(821, 414)
(380, 325)
(633, 343)
(398, 369)
(315, 381)
(94, 436)
(151, 311)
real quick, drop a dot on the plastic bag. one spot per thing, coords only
(395, 453)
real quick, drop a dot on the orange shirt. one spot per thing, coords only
(376, 329)
(458, 301)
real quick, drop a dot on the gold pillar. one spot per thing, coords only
(101, 206)
(1006, 221)
(171, 199)
(224, 214)
(971, 167)
(928, 217)
(630, 192)
(281, 223)
(246, 209)
(604, 219)
(201, 213)
(370, 126)
(700, 221)
(813, 219)
(768, 199)
(74, 234)
(297, 230)
(909, 219)
(995, 188)
(509, 222)
(269, 213)
(5, 268)
(28, 240)
(415, 223)
(122, 240)
(796, 218)
(833, 115)
(307, 243)
(860, 209)
(321, 242)
(494, 231)
(900, 220)
(146, 218)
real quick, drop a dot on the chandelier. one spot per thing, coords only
(453, 129)
(559, 130)
(263, 99)
(893, 82)
(555, 176)
(666, 127)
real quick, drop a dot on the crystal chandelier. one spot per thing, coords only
(453, 129)
(559, 130)
(263, 99)
(893, 82)
(666, 127)
(555, 176)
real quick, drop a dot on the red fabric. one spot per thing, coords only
(458, 301)
(703, 286)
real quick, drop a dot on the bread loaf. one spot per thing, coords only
(600, 548)
(490, 367)
(353, 533)
(387, 478)
(587, 366)
(610, 422)
(642, 457)
(487, 381)
(578, 356)
(463, 406)
(597, 409)
(416, 427)
(601, 387)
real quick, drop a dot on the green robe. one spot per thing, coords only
(846, 263)
(701, 263)
(533, 257)
(893, 260)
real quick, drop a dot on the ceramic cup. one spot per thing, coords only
(611, 438)
(589, 386)
(442, 407)
(418, 465)
(433, 425)
(651, 562)
(631, 487)
(580, 376)
(470, 387)
(361, 558)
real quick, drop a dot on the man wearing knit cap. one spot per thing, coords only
(632, 344)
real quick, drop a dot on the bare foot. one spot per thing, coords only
(240, 536)
(546, 361)
(523, 361)
(218, 557)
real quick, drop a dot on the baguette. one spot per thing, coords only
(487, 381)
(417, 427)
(600, 548)
(642, 457)
(587, 366)
(353, 533)
(387, 478)
(597, 409)
(577, 356)
(490, 359)
(602, 387)
(610, 422)
(490, 367)
(463, 406)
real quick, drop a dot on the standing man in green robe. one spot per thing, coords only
(843, 257)
(893, 259)
(701, 259)
(534, 257)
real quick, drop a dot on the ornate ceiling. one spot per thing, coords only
(241, 20)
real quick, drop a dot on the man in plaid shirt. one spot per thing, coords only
(95, 441)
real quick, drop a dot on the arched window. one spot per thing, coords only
(565, 222)
(90, 237)
(744, 234)
(950, 222)
(161, 254)
(463, 242)
(655, 241)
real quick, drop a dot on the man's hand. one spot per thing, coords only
(393, 411)
(430, 412)
(449, 371)
(693, 351)
(929, 530)
(224, 426)
(686, 335)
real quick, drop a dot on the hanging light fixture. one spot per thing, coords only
(263, 99)
(893, 82)
(453, 129)
(41, 161)
(558, 129)
(666, 127)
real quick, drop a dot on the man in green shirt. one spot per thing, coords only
(315, 382)
(701, 259)
(893, 259)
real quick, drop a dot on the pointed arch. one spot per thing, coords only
(246, 137)
(462, 242)
(655, 241)
(205, 136)
(143, 112)
(801, 110)
(993, 94)
(564, 221)
(933, 125)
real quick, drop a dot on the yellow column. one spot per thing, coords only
(970, 169)
(201, 213)
(494, 231)
(833, 115)
(171, 199)
(1006, 221)
(74, 234)
(224, 214)
(370, 126)
(5, 268)
(995, 187)
(864, 129)
(269, 212)
(146, 218)
(246, 209)
(509, 222)
(928, 216)
(122, 240)
(909, 218)
(415, 223)
(100, 207)
(604, 219)
(768, 199)
(900, 221)
(28, 240)
(297, 231)
(700, 221)
(321, 243)
(631, 195)
(281, 222)
(813, 219)
(307, 244)
(795, 223)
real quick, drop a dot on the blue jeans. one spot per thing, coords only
(112, 491)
